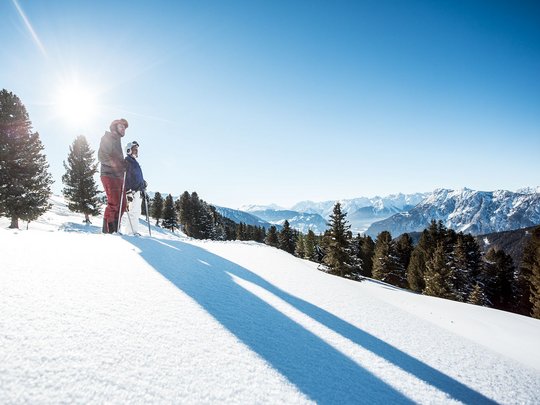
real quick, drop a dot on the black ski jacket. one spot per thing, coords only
(134, 176)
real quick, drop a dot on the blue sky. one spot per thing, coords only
(256, 102)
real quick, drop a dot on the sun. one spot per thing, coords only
(75, 103)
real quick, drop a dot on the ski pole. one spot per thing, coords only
(146, 209)
(121, 201)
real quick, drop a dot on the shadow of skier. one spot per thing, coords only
(316, 368)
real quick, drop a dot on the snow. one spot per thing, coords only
(86, 317)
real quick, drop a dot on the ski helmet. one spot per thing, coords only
(131, 145)
(112, 127)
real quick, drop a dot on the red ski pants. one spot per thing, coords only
(113, 189)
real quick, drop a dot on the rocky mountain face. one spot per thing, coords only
(512, 242)
(470, 211)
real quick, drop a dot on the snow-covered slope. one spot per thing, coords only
(86, 317)
(475, 212)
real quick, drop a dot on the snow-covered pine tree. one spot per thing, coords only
(286, 238)
(272, 237)
(80, 188)
(24, 178)
(170, 220)
(156, 209)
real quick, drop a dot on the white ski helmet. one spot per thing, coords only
(131, 145)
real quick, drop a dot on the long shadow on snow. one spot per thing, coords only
(316, 368)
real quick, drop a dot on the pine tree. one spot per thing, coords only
(535, 274)
(527, 294)
(404, 248)
(156, 210)
(185, 211)
(477, 296)
(367, 250)
(310, 243)
(272, 237)
(439, 276)
(80, 188)
(201, 220)
(499, 279)
(241, 231)
(338, 258)
(300, 250)
(144, 205)
(286, 238)
(220, 232)
(386, 264)
(170, 220)
(424, 251)
(416, 270)
(465, 262)
(24, 178)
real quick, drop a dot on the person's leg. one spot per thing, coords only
(130, 221)
(113, 189)
(135, 211)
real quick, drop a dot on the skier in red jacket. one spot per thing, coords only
(113, 167)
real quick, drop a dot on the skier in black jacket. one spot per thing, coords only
(135, 189)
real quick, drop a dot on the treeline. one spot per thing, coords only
(199, 220)
(443, 263)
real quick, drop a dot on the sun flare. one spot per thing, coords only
(75, 103)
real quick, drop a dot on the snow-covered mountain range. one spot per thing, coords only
(301, 221)
(93, 318)
(361, 212)
(475, 212)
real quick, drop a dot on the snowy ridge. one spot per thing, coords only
(171, 319)
(475, 212)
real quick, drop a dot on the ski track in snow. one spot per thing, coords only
(86, 317)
